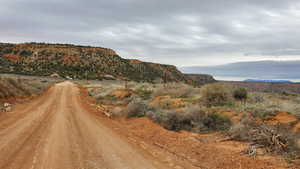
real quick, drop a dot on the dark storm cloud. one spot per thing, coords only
(194, 32)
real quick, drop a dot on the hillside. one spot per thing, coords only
(201, 78)
(80, 62)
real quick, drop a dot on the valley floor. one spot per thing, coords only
(60, 130)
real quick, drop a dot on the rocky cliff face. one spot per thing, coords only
(201, 78)
(81, 62)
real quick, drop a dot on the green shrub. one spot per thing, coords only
(171, 120)
(215, 121)
(240, 94)
(191, 118)
(216, 95)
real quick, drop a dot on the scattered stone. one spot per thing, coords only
(110, 77)
(55, 75)
(7, 105)
(107, 114)
(7, 109)
(250, 151)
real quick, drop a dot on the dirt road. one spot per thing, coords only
(56, 132)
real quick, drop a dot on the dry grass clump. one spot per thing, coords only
(290, 107)
(131, 107)
(261, 110)
(102, 88)
(256, 97)
(16, 87)
(175, 90)
(216, 94)
(263, 105)
(135, 109)
(114, 101)
(144, 92)
(12, 88)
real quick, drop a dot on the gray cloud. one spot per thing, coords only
(171, 31)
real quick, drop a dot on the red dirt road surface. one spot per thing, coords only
(56, 132)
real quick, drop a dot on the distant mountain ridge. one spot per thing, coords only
(81, 62)
(268, 81)
(257, 69)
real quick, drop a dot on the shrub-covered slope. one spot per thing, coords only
(13, 86)
(80, 62)
(201, 78)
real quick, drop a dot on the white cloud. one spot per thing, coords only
(169, 31)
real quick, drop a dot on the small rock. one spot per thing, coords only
(7, 105)
(7, 109)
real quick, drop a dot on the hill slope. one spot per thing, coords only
(80, 62)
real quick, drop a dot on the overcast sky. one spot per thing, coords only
(183, 33)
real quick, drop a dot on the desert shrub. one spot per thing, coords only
(289, 107)
(240, 94)
(261, 110)
(286, 93)
(216, 95)
(171, 120)
(11, 86)
(25, 53)
(111, 100)
(5, 92)
(241, 131)
(174, 120)
(166, 103)
(17, 83)
(144, 93)
(296, 100)
(191, 118)
(262, 105)
(277, 139)
(175, 91)
(257, 97)
(216, 121)
(185, 92)
(135, 109)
